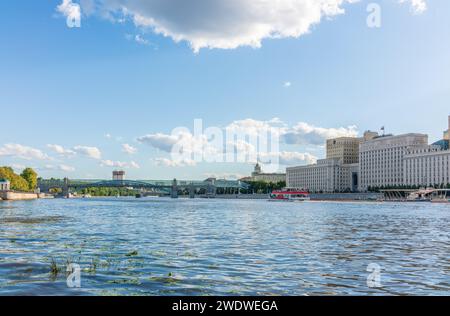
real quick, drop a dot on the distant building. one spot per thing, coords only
(381, 159)
(345, 149)
(327, 175)
(259, 175)
(427, 166)
(118, 175)
(5, 185)
(444, 143)
(339, 172)
(384, 161)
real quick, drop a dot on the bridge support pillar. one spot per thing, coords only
(191, 191)
(174, 193)
(65, 190)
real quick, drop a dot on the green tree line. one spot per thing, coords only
(26, 181)
(107, 192)
(263, 187)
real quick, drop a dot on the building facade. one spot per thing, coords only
(5, 185)
(427, 166)
(259, 175)
(327, 175)
(339, 172)
(344, 148)
(118, 175)
(384, 161)
(381, 159)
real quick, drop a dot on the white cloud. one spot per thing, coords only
(307, 134)
(66, 168)
(287, 84)
(18, 167)
(61, 150)
(256, 127)
(91, 152)
(120, 164)
(70, 10)
(160, 141)
(199, 149)
(23, 152)
(294, 158)
(164, 162)
(225, 175)
(141, 40)
(224, 24)
(417, 6)
(126, 148)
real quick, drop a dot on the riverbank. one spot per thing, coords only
(23, 196)
(338, 197)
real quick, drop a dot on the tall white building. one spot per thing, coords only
(384, 161)
(337, 173)
(427, 166)
(381, 159)
(327, 175)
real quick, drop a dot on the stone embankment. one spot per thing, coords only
(20, 196)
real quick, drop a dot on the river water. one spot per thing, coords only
(223, 247)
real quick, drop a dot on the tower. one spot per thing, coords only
(258, 169)
(118, 175)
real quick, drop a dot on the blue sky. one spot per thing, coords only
(94, 89)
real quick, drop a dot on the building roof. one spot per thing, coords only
(4, 180)
(444, 144)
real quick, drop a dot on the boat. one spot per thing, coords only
(445, 201)
(290, 194)
(423, 195)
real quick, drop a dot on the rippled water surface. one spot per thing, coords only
(223, 247)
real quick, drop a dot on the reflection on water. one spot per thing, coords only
(221, 247)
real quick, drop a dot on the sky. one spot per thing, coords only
(80, 102)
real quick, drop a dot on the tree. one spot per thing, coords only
(30, 177)
(17, 182)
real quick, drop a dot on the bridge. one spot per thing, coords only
(161, 187)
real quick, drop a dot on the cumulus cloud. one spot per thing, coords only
(160, 141)
(294, 158)
(417, 6)
(61, 150)
(164, 162)
(307, 134)
(62, 167)
(66, 168)
(91, 152)
(120, 164)
(70, 10)
(23, 152)
(225, 175)
(223, 24)
(241, 146)
(127, 148)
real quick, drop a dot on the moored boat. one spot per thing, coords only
(290, 194)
